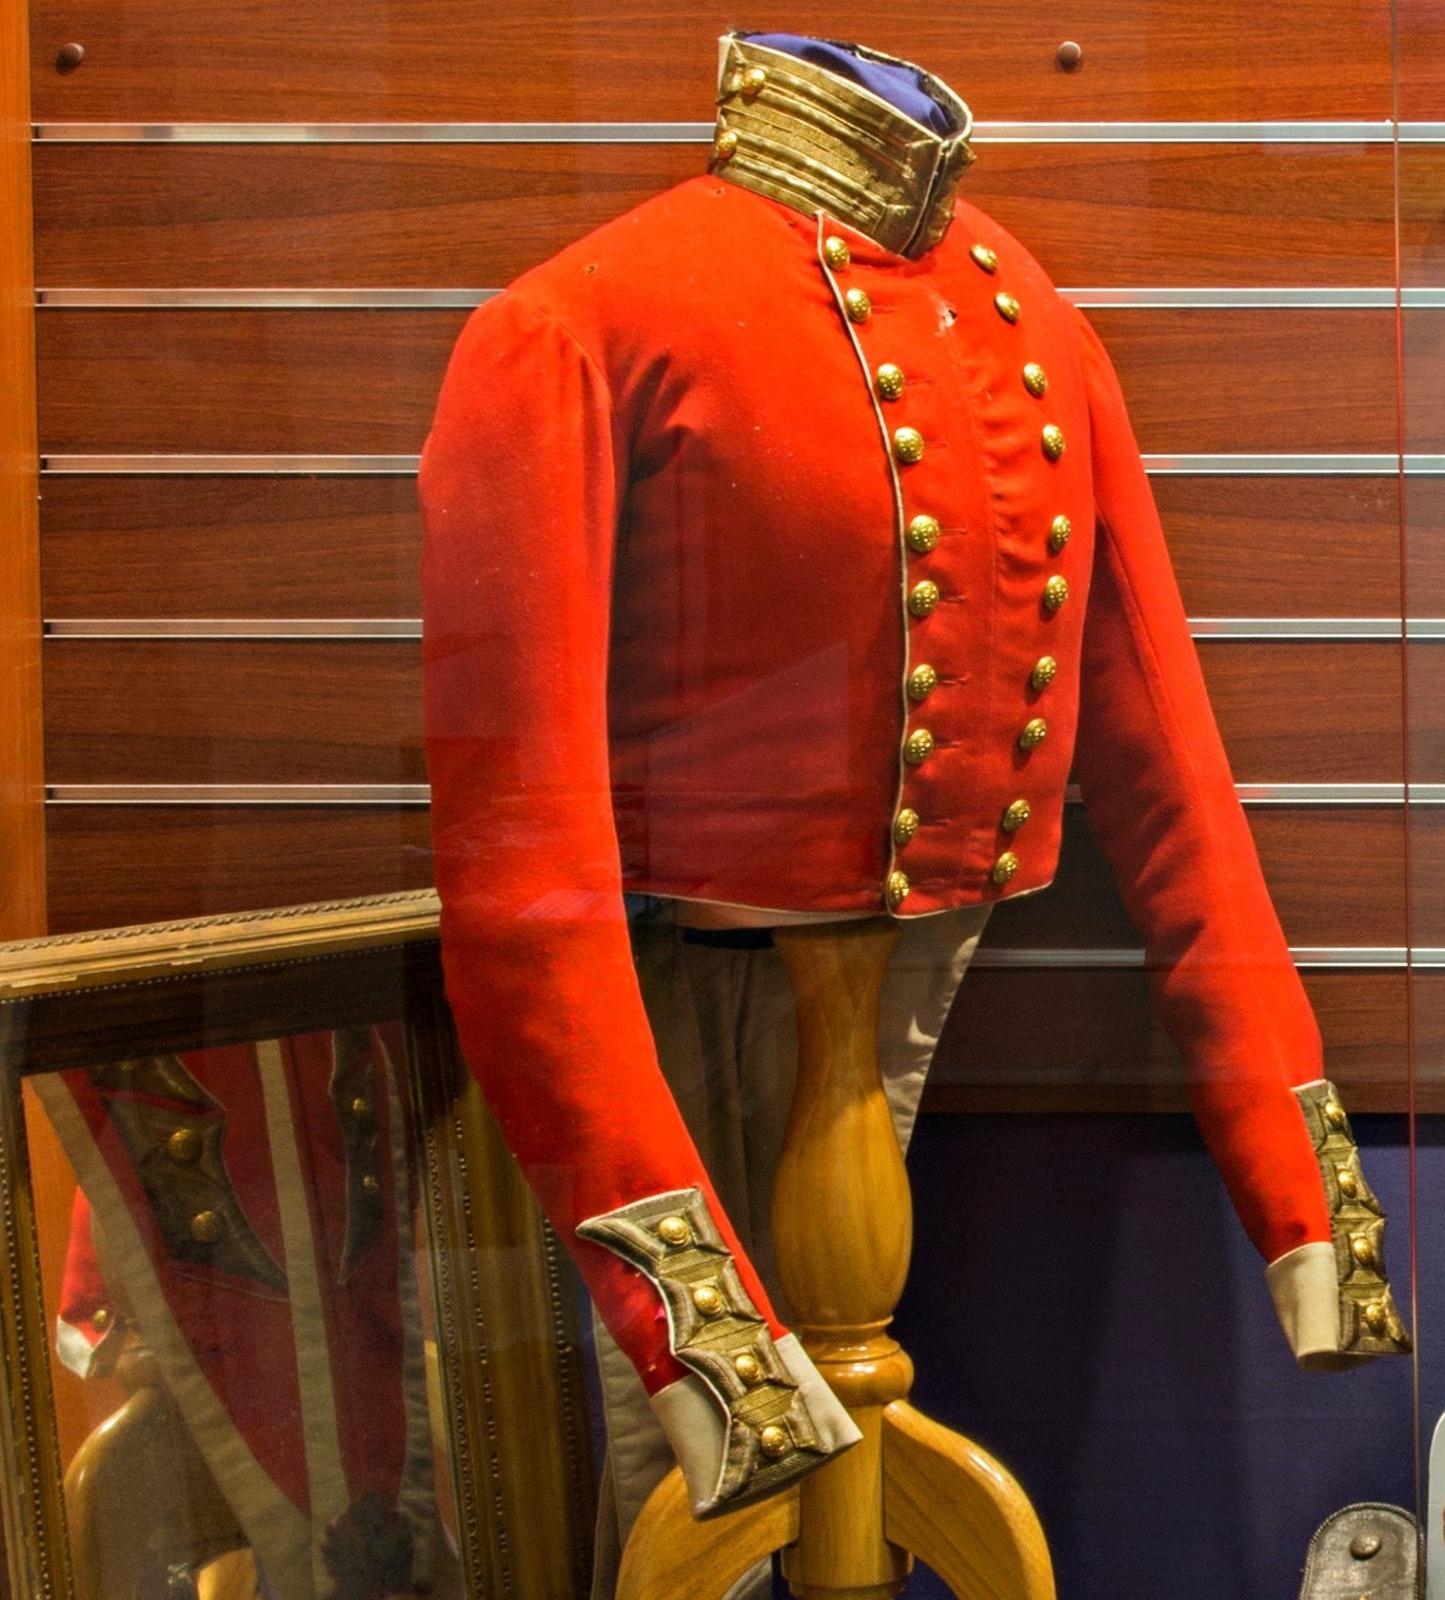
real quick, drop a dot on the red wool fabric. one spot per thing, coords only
(666, 636)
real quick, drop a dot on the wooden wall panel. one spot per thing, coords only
(1281, 547)
(22, 817)
(160, 546)
(231, 547)
(110, 865)
(330, 381)
(474, 216)
(147, 711)
(1260, 379)
(289, 381)
(1321, 711)
(1336, 873)
(308, 711)
(158, 60)
(1061, 1039)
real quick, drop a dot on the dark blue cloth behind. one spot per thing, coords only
(900, 86)
(1084, 1303)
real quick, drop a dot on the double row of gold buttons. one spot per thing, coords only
(922, 535)
(1056, 588)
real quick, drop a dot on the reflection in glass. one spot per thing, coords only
(241, 1305)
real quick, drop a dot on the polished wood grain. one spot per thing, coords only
(291, 381)
(230, 547)
(1305, 547)
(111, 865)
(22, 859)
(470, 216)
(264, 380)
(1057, 1039)
(160, 59)
(350, 547)
(1336, 873)
(961, 1512)
(841, 1160)
(233, 712)
(1262, 380)
(328, 711)
(672, 1555)
(1321, 711)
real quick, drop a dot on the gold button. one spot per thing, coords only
(1059, 531)
(1045, 671)
(1034, 733)
(918, 747)
(1375, 1319)
(1036, 380)
(860, 307)
(725, 144)
(753, 80)
(836, 252)
(708, 1300)
(1016, 815)
(1362, 1248)
(922, 681)
(923, 597)
(205, 1227)
(774, 1441)
(890, 380)
(1056, 591)
(1053, 441)
(905, 825)
(184, 1145)
(1334, 1113)
(986, 258)
(674, 1231)
(908, 445)
(1004, 868)
(370, 1183)
(100, 1318)
(1008, 307)
(923, 534)
(361, 1108)
(1348, 1182)
(748, 1368)
(896, 891)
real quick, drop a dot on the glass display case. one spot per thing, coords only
(634, 539)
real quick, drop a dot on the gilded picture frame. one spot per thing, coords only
(506, 1377)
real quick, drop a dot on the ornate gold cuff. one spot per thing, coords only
(718, 1334)
(1370, 1324)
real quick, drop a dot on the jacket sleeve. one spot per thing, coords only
(519, 485)
(1163, 805)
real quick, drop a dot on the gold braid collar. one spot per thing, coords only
(817, 141)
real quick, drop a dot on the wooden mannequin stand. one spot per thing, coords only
(842, 1217)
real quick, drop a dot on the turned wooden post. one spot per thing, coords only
(843, 1223)
(843, 1227)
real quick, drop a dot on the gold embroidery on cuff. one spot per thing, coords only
(1370, 1323)
(717, 1333)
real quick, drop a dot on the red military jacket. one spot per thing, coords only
(787, 547)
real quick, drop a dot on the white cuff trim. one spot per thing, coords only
(1305, 1286)
(697, 1429)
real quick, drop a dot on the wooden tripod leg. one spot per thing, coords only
(670, 1556)
(956, 1508)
